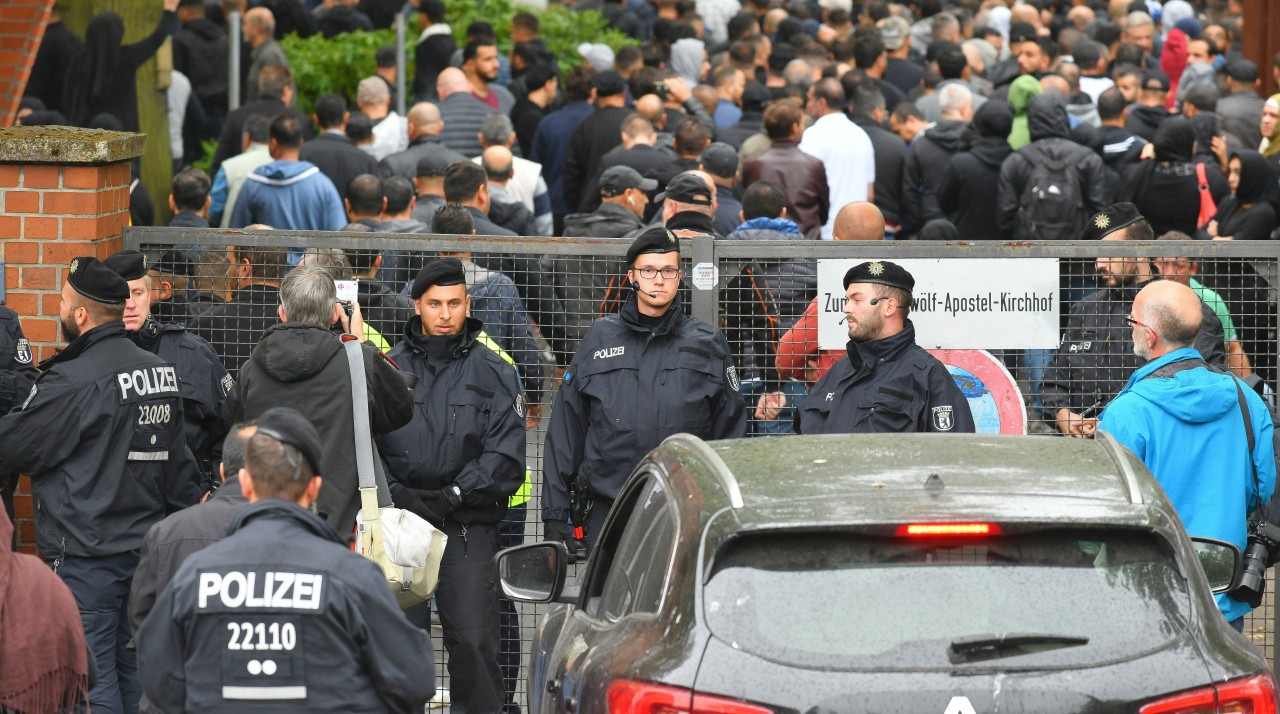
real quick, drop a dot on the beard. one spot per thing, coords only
(1141, 350)
(69, 329)
(868, 329)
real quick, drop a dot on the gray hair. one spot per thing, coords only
(952, 98)
(496, 130)
(333, 261)
(1137, 18)
(1171, 329)
(372, 90)
(308, 296)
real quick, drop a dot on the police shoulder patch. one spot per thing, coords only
(23, 353)
(942, 418)
(731, 373)
(519, 405)
(227, 383)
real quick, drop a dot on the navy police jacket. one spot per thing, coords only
(631, 385)
(468, 422)
(882, 386)
(281, 616)
(101, 436)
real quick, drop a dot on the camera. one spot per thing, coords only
(346, 307)
(1263, 551)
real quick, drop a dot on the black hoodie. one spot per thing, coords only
(304, 366)
(921, 174)
(967, 194)
(200, 52)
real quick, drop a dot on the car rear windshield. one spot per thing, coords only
(1044, 599)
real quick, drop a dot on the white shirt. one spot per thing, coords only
(390, 135)
(1094, 86)
(845, 151)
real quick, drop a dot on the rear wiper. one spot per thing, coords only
(993, 646)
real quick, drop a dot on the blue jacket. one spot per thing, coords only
(1189, 432)
(289, 195)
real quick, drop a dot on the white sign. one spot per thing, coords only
(705, 276)
(960, 303)
(348, 290)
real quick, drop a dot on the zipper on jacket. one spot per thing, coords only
(62, 554)
(464, 540)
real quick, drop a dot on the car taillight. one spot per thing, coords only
(1252, 695)
(628, 696)
(933, 530)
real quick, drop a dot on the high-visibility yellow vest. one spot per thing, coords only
(521, 496)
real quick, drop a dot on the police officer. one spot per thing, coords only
(100, 435)
(203, 380)
(17, 372)
(281, 615)
(887, 383)
(456, 465)
(638, 376)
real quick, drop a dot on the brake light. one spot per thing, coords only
(628, 696)
(947, 529)
(1252, 695)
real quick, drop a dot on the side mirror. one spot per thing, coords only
(1222, 563)
(533, 572)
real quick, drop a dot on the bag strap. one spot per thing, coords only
(1167, 372)
(1202, 177)
(360, 412)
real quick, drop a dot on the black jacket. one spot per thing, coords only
(338, 158)
(1096, 357)
(287, 583)
(923, 168)
(648, 161)
(891, 155)
(1143, 120)
(200, 52)
(589, 142)
(233, 328)
(204, 383)
(429, 57)
(749, 125)
(468, 422)
(1047, 122)
(405, 163)
(1121, 149)
(884, 386)
(169, 542)
(17, 368)
(608, 221)
(383, 308)
(304, 367)
(231, 141)
(57, 48)
(632, 384)
(967, 195)
(100, 435)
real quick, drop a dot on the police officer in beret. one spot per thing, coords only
(887, 383)
(456, 464)
(1095, 358)
(100, 435)
(204, 381)
(638, 376)
(280, 615)
(17, 372)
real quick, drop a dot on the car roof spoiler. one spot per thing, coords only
(1124, 460)
(714, 463)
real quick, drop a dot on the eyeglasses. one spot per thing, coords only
(1133, 322)
(649, 272)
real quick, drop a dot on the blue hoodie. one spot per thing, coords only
(1189, 432)
(289, 195)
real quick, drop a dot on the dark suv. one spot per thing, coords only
(894, 573)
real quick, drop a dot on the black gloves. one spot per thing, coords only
(432, 506)
(563, 532)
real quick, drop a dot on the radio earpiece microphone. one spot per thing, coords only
(636, 286)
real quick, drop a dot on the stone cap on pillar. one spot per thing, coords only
(68, 145)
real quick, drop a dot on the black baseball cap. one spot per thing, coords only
(89, 277)
(688, 187)
(1155, 80)
(617, 179)
(720, 159)
(288, 426)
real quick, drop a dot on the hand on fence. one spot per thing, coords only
(770, 405)
(1075, 425)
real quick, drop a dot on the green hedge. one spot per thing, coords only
(338, 64)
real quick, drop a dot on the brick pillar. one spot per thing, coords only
(22, 24)
(64, 192)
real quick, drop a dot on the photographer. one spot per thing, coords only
(300, 363)
(1205, 436)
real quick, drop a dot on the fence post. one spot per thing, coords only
(706, 303)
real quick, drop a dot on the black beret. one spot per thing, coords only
(288, 426)
(881, 272)
(92, 279)
(1111, 219)
(445, 271)
(128, 264)
(654, 240)
(175, 262)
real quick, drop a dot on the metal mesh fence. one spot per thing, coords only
(537, 297)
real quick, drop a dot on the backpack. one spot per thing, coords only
(1051, 206)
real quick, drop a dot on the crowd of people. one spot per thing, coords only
(751, 120)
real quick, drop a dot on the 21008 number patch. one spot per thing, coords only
(153, 414)
(261, 636)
